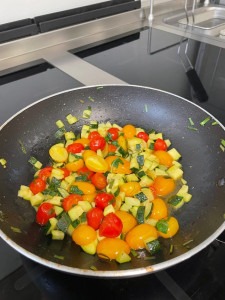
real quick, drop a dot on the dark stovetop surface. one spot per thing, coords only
(147, 58)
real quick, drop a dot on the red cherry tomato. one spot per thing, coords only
(99, 181)
(44, 213)
(85, 171)
(160, 145)
(97, 143)
(75, 148)
(114, 133)
(103, 199)
(93, 134)
(111, 226)
(45, 173)
(37, 185)
(70, 201)
(94, 217)
(66, 172)
(143, 135)
(111, 148)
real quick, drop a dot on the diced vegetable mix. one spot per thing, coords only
(113, 189)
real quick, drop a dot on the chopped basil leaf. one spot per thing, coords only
(116, 162)
(75, 190)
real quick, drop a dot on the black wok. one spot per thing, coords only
(32, 129)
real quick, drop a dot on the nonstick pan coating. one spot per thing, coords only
(32, 131)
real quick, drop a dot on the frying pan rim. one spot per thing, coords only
(119, 273)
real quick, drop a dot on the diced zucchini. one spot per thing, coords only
(187, 197)
(57, 234)
(125, 207)
(57, 173)
(56, 200)
(70, 229)
(75, 212)
(85, 205)
(155, 136)
(71, 119)
(148, 209)
(160, 172)
(52, 225)
(168, 142)
(175, 172)
(152, 246)
(148, 193)
(145, 181)
(174, 153)
(85, 131)
(37, 199)
(58, 210)
(90, 248)
(136, 144)
(183, 190)
(151, 221)
(59, 124)
(86, 113)
(140, 216)
(108, 209)
(38, 165)
(63, 192)
(132, 201)
(134, 210)
(70, 179)
(133, 163)
(176, 201)
(69, 135)
(25, 192)
(123, 257)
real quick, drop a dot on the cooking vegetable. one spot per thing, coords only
(111, 188)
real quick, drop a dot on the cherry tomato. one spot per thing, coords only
(111, 226)
(111, 148)
(129, 131)
(37, 185)
(173, 227)
(163, 186)
(75, 148)
(130, 188)
(73, 166)
(99, 181)
(143, 135)
(103, 199)
(135, 237)
(97, 143)
(160, 145)
(93, 134)
(84, 234)
(96, 163)
(164, 158)
(66, 172)
(118, 165)
(111, 247)
(94, 217)
(159, 210)
(85, 187)
(127, 219)
(45, 173)
(114, 133)
(44, 213)
(71, 201)
(85, 171)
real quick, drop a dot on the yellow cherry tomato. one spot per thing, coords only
(75, 165)
(163, 186)
(135, 237)
(88, 153)
(173, 227)
(86, 187)
(122, 142)
(84, 234)
(118, 165)
(164, 158)
(89, 197)
(105, 151)
(129, 131)
(83, 141)
(130, 188)
(127, 219)
(96, 163)
(159, 210)
(111, 247)
(58, 153)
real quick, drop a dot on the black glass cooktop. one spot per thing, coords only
(148, 58)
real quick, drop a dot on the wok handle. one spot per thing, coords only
(197, 85)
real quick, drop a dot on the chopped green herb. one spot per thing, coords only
(59, 257)
(134, 252)
(3, 162)
(22, 147)
(222, 148)
(60, 132)
(91, 99)
(206, 120)
(187, 243)
(15, 229)
(99, 87)
(93, 268)
(191, 122)
(116, 163)
(146, 108)
(192, 128)
(223, 142)
(75, 190)
(215, 123)
(149, 257)
(171, 248)
(81, 101)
